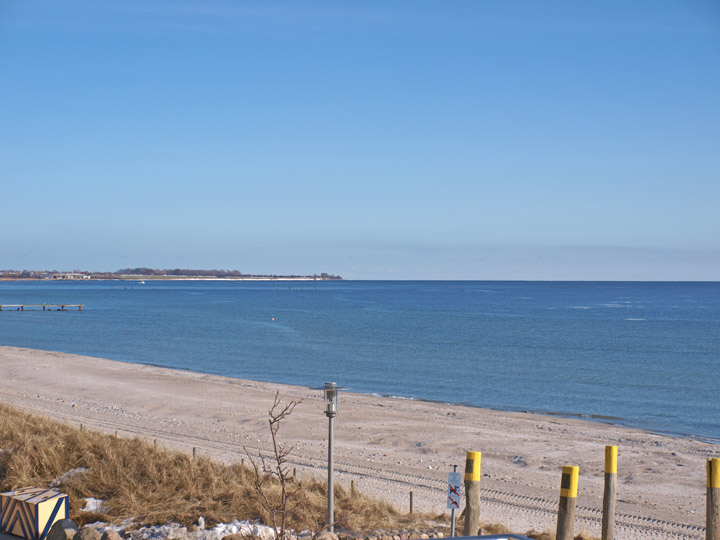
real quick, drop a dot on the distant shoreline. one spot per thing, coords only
(311, 278)
(174, 278)
(157, 274)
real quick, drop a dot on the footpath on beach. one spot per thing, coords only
(387, 447)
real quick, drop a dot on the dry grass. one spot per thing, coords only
(158, 485)
(499, 528)
(547, 535)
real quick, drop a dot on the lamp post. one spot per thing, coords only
(330, 392)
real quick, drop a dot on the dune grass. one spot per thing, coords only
(155, 485)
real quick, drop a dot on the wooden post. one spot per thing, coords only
(411, 502)
(81, 427)
(566, 509)
(712, 520)
(472, 493)
(608, 517)
(116, 436)
(194, 453)
(155, 443)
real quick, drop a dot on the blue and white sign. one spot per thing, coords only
(454, 490)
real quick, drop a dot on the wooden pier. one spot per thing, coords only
(36, 307)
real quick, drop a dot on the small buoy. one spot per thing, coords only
(273, 318)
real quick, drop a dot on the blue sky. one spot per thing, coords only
(375, 140)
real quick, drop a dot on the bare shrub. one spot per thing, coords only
(278, 496)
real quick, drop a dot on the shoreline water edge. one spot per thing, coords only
(599, 418)
(386, 446)
(560, 349)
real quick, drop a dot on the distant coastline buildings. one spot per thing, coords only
(35, 274)
(155, 274)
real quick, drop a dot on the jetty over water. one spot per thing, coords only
(36, 307)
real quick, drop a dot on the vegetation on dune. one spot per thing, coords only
(156, 485)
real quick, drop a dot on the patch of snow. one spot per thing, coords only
(245, 528)
(175, 531)
(63, 478)
(166, 532)
(101, 526)
(92, 505)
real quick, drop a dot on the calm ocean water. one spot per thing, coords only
(641, 354)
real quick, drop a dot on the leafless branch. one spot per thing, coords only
(278, 469)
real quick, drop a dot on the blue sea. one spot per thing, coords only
(640, 354)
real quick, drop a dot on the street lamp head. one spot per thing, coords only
(331, 391)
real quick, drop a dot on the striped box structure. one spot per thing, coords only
(30, 512)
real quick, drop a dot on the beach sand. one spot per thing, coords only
(387, 446)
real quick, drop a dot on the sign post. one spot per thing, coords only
(453, 496)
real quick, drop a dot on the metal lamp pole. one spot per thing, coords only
(331, 400)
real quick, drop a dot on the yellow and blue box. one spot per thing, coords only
(30, 512)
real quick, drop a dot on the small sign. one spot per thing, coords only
(454, 490)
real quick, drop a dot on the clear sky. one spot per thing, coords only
(382, 140)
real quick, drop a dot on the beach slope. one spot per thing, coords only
(387, 446)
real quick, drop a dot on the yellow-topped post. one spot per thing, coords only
(712, 527)
(472, 494)
(608, 516)
(566, 509)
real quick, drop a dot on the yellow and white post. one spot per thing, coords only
(608, 516)
(712, 527)
(566, 510)
(472, 494)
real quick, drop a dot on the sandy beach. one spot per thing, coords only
(387, 446)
